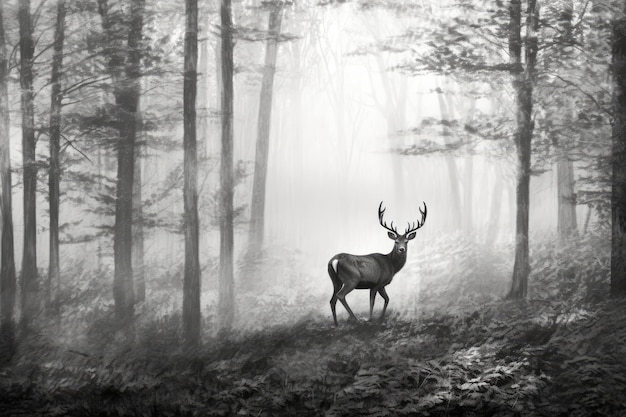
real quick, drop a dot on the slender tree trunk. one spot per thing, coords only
(257, 214)
(523, 80)
(495, 209)
(29, 281)
(54, 174)
(455, 208)
(139, 271)
(191, 282)
(226, 283)
(566, 223)
(7, 271)
(618, 195)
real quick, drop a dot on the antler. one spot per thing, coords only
(381, 213)
(413, 227)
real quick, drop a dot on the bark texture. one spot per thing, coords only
(524, 75)
(618, 195)
(226, 305)
(7, 270)
(191, 281)
(29, 281)
(54, 171)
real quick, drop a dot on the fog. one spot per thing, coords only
(339, 116)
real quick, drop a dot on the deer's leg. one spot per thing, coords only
(333, 301)
(383, 293)
(341, 295)
(372, 299)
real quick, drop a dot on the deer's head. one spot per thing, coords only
(401, 241)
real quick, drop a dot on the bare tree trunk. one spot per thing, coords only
(257, 213)
(523, 81)
(566, 223)
(54, 175)
(618, 195)
(29, 287)
(7, 271)
(495, 209)
(445, 110)
(226, 303)
(139, 271)
(191, 282)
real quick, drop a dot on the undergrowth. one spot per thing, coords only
(455, 347)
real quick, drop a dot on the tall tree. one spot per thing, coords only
(226, 303)
(124, 66)
(54, 173)
(524, 78)
(7, 269)
(618, 197)
(191, 282)
(566, 221)
(29, 281)
(257, 213)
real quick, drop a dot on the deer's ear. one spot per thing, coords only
(392, 235)
(410, 236)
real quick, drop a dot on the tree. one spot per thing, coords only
(191, 282)
(618, 196)
(7, 269)
(54, 172)
(124, 66)
(257, 207)
(524, 78)
(226, 305)
(29, 281)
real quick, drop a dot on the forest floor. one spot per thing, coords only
(504, 358)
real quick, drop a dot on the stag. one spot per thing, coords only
(374, 271)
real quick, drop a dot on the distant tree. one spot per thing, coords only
(257, 207)
(226, 303)
(191, 281)
(54, 171)
(7, 269)
(618, 198)
(29, 281)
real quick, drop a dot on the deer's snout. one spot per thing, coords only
(401, 249)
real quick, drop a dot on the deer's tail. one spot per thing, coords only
(333, 265)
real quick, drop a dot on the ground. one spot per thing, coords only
(505, 358)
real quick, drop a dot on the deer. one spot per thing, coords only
(374, 271)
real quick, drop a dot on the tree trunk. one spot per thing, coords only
(523, 80)
(618, 195)
(191, 282)
(445, 111)
(139, 271)
(495, 208)
(29, 281)
(566, 223)
(257, 214)
(7, 271)
(127, 95)
(54, 173)
(226, 282)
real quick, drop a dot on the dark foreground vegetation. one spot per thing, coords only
(506, 358)
(464, 351)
